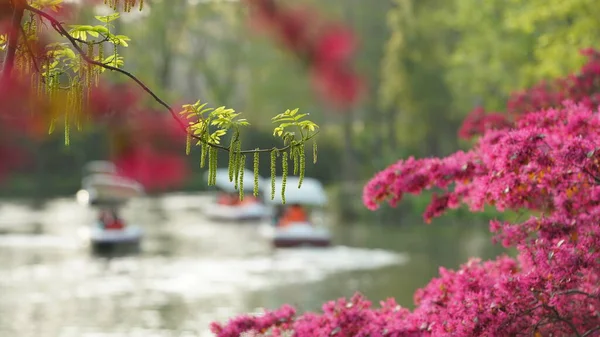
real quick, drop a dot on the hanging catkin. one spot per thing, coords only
(188, 143)
(101, 60)
(302, 164)
(255, 162)
(284, 168)
(243, 159)
(211, 166)
(203, 154)
(273, 172)
(67, 129)
(215, 156)
(231, 164)
(238, 164)
(295, 156)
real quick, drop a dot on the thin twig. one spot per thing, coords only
(62, 31)
(558, 317)
(591, 331)
(92, 42)
(576, 292)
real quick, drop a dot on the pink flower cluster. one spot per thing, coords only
(546, 163)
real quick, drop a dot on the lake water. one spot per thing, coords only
(192, 271)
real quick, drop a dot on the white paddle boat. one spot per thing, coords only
(296, 233)
(227, 205)
(103, 188)
(103, 240)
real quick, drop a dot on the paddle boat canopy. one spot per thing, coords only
(228, 205)
(298, 230)
(102, 186)
(99, 166)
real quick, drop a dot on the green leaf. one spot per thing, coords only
(101, 29)
(115, 62)
(107, 18)
(283, 119)
(300, 116)
(121, 40)
(81, 35)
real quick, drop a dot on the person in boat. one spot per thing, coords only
(249, 199)
(229, 199)
(110, 220)
(293, 213)
(104, 217)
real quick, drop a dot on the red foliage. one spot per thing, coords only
(338, 85)
(336, 44)
(153, 169)
(327, 48)
(147, 147)
(18, 122)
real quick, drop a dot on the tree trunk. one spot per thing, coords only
(13, 37)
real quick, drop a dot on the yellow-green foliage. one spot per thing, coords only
(208, 125)
(511, 44)
(560, 28)
(399, 20)
(65, 75)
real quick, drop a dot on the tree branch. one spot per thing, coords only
(576, 292)
(62, 31)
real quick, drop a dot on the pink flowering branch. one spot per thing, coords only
(545, 161)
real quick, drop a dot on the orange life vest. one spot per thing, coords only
(224, 199)
(115, 224)
(249, 200)
(293, 214)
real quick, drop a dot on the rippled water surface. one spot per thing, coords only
(191, 271)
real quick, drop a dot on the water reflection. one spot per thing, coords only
(189, 273)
